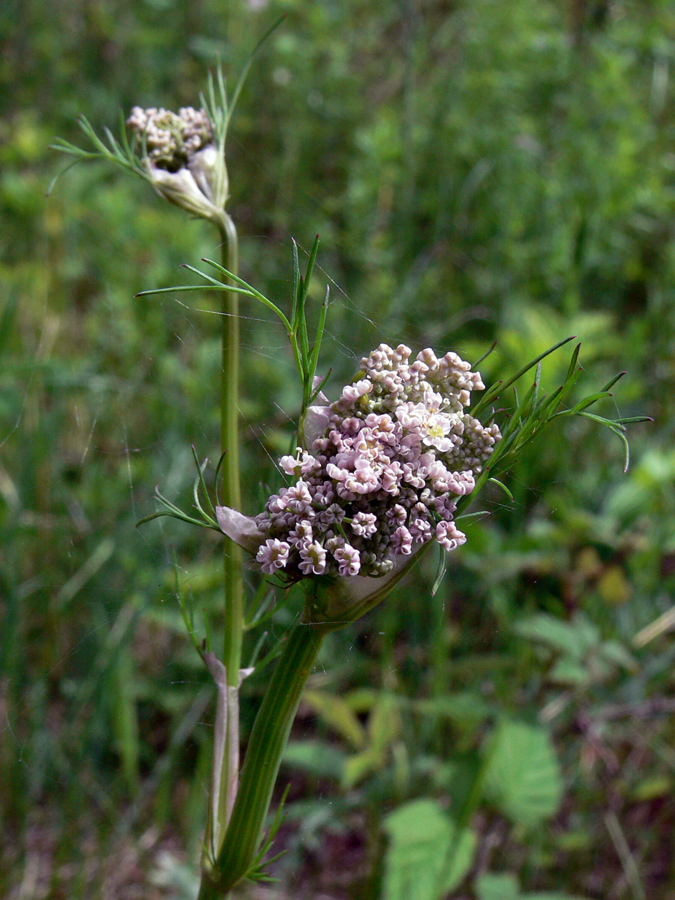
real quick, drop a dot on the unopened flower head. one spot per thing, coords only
(383, 473)
(183, 159)
(171, 140)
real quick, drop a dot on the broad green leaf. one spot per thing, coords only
(384, 723)
(568, 672)
(502, 886)
(362, 699)
(588, 632)
(464, 709)
(384, 726)
(652, 787)
(337, 714)
(316, 758)
(425, 859)
(358, 766)
(550, 895)
(460, 860)
(523, 778)
(553, 633)
(125, 718)
(615, 652)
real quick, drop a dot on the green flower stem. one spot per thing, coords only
(227, 672)
(263, 758)
(229, 433)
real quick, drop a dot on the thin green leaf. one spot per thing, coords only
(302, 331)
(202, 274)
(266, 843)
(573, 361)
(247, 65)
(560, 393)
(252, 290)
(256, 651)
(196, 287)
(468, 517)
(129, 149)
(296, 286)
(201, 483)
(484, 356)
(187, 611)
(66, 147)
(63, 171)
(155, 515)
(320, 386)
(271, 654)
(216, 477)
(601, 420)
(502, 486)
(517, 416)
(440, 571)
(314, 359)
(632, 420)
(208, 644)
(259, 605)
(175, 512)
(537, 384)
(588, 401)
(610, 384)
(618, 430)
(519, 374)
(310, 264)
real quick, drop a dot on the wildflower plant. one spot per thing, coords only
(375, 478)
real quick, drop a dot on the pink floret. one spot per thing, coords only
(449, 536)
(273, 555)
(312, 559)
(348, 559)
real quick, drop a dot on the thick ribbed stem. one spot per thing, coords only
(263, 758)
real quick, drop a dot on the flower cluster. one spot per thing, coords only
(184, 159)
(171, 140)
(387, 461)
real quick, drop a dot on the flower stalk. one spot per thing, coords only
(227, 673)
(229, 424)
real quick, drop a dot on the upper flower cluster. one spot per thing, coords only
(184, 159)
(171, 140)
(386, 463)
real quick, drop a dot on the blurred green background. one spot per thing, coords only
(477, 171)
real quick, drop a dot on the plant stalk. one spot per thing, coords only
(227, 673)
(229, 435)
(263, 758)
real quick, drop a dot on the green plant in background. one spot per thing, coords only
(374, 480)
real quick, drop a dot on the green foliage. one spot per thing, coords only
(315, 758)
(581, 656)
(505, 887)
(523, 777)
(337, 713)
(426, 857)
